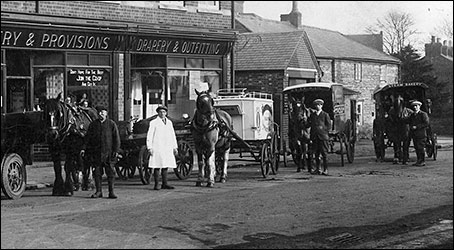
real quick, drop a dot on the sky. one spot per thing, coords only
(352, 17)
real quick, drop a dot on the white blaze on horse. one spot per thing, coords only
(211, 132)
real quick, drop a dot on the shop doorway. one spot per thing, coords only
(18, 95)
(153, 93)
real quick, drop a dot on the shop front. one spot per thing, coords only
(128, 70)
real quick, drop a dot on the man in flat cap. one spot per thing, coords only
(419, 122)
(320, 124)
(102, 144)
(162, 146)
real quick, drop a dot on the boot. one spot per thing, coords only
(317, 166)
(325, 167)
(98, 193)
(110, 182)
(156, 179)
(164, 180)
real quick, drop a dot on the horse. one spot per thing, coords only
(210, 129)
(299, 134)
(65, 133)
(399, 129)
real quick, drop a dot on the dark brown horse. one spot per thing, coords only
(299, 134)
(66, 128)
(399, 129)
(211, 132)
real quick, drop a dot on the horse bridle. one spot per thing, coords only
(65, 119)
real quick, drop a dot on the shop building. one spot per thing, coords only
(129, 56)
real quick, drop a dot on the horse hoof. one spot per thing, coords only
(198, 184)
(222, 180)
(210, 184)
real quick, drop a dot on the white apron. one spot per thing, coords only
(161, 139)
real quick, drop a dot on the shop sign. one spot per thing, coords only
(177, 46)
(72, 40)
(85, 77)
(55, 39)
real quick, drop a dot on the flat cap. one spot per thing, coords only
(101, 107)
(161, 107)
(318, 101)
(413, 103)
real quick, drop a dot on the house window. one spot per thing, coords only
(172, 3)
(211, 5)
(358, 71)
(383, 73)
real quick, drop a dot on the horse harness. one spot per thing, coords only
(215, 122)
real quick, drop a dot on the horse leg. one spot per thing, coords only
(69, 171)
(201, 169)
(225, 165)
(396, 147)
(211, 167)
(57, 190)
(405, 151)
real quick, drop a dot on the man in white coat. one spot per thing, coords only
(162, 146)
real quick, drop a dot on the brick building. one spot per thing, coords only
(440, 55)
(341, 59)
(127, 55)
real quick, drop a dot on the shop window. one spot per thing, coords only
(48, 83)
(212, 64)
(90, 84)
(18, 63)
(176, 62)
(194, 63)
(49, 58)
(99, 60)
(139, 60)
(77, 59)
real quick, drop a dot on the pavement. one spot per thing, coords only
(41, 175)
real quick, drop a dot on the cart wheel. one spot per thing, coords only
(435, 146)
(275, 153)
(14, 176)
(185, 160)
(284, 153)
(219, 161)
(341, 149)
(350, 148)
(265, 158)
(144, 172)
(124, 169)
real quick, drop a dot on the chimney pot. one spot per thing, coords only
(444, 42)
(450, 43)
(433, 39)
(438, 40)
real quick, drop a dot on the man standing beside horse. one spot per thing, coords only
(102, 145)
(320, 124)
(419, 122)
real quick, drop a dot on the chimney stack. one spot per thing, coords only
(294, 17)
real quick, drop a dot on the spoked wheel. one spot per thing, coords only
(144, 172)
(275, 153)
(266, 163)
(219, 162)
(350, 140)
(341, 144)
(124, 169)
(14, 176)
(185, 160)
(284, 153)
(435, 146)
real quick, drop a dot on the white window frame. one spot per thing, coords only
(175, 5)
(383, 73)
(203, 5)
(358, 71)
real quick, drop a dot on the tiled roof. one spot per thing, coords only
(273, 51)
(326, 43)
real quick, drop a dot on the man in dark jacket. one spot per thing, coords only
(419, 122)
(320, 124)
(102, 144)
